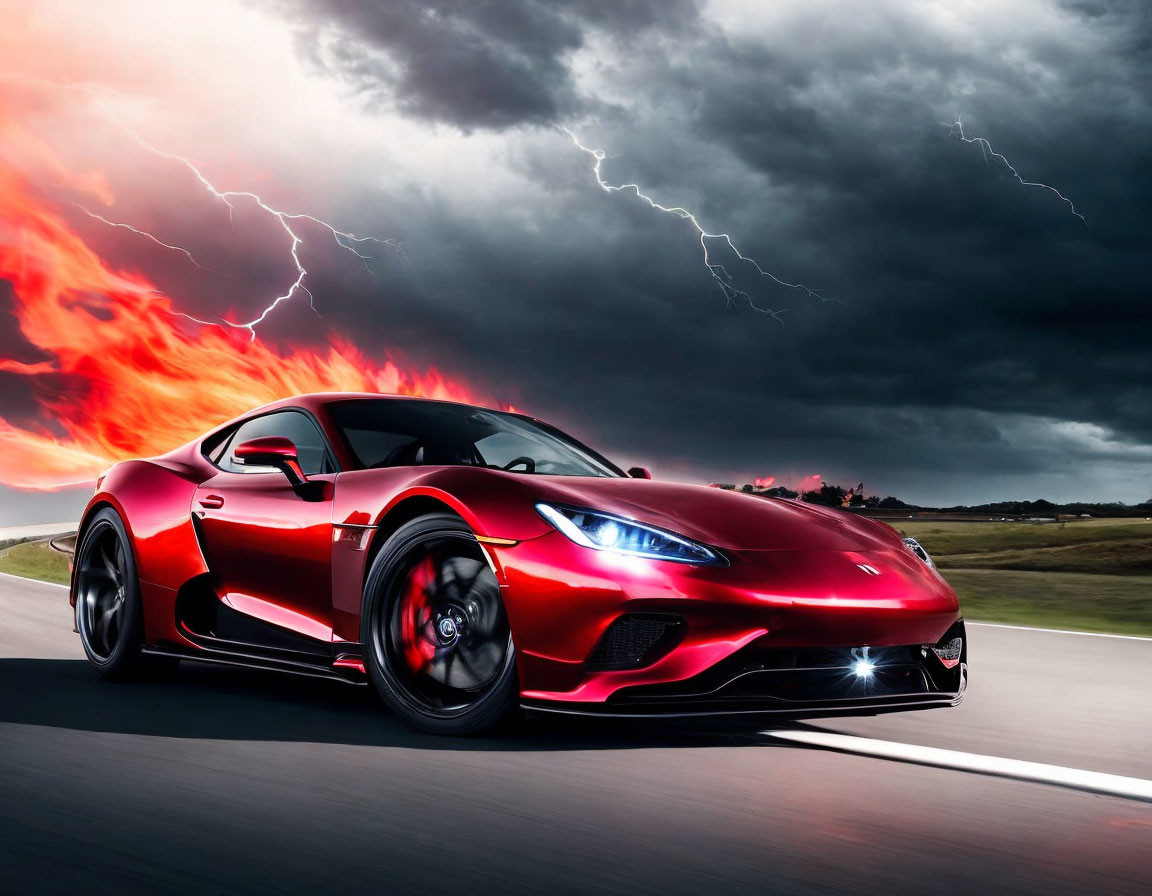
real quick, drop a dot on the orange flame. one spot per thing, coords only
(804, 484)
(810, 483)
(126, 376)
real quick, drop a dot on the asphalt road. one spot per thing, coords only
(227, 781)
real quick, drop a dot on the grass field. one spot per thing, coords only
(35, 560)
(1094, 575)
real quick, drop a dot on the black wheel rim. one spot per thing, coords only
(442, 632)
(102, 590)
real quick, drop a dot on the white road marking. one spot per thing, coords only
(1058, 631)
(1097, 782)
(9, 575)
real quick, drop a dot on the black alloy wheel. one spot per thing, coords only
(438, 643)
(108, 614)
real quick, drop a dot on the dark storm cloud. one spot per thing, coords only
(471, 63)
(964, 288)
(976, 314)
(985, 343)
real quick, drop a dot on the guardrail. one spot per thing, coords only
(41, 530)
(65, 544)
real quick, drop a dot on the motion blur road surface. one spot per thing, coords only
(228, 780)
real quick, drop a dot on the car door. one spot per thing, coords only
(268, 547)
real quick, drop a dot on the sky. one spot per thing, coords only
(897, 301)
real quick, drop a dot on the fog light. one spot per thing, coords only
(949, 653)
(863, 668)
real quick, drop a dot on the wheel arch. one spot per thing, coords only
(404, 510)
(98, 503)
(154, 503)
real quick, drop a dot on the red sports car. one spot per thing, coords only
(469, 562)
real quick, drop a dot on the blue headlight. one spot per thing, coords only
(606, 532)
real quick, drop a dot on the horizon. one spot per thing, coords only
(66, 506)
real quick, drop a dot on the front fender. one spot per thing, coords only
(493, 505)
(154, 501)
(368, 503)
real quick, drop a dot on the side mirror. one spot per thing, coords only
(639, 473)
(272, 451)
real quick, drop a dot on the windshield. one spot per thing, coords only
(397, 432)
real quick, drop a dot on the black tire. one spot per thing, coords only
(436, 639)
(109, 615)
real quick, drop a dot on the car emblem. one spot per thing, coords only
(871, 570)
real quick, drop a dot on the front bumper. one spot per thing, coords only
(760, 679)
(563, 601)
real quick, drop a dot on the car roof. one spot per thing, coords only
(316, 402)
(313, 401)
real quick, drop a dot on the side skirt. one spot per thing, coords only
(337, 670)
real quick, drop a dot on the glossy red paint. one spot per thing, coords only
(266, 447)
(561, 598)
(269, 549)
(252, 544)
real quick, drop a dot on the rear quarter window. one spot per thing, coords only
(213, 446)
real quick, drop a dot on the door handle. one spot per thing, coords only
(212, 501)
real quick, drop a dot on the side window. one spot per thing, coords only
(382, 449)
(501, 448)
(304, 434)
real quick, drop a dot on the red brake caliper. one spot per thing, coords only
(416, 616)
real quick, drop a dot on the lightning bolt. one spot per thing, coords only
(143, 233)
(957, 130)
(344, 239)
(287, 220)
(716, 270)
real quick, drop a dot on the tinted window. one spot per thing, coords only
(396, 432)
(299, 428)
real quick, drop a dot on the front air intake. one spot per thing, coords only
(636, 640)
(950, 649)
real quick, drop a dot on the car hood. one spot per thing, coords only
(725, 519)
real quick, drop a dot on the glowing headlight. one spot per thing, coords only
(914, 546)
(606, 532)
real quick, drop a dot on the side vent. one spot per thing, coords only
(637, 640)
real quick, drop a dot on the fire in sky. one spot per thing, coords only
(121, 371)
(805, 484)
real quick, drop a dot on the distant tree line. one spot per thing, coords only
(838, 496)
(829, 495)
(1040, 507)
